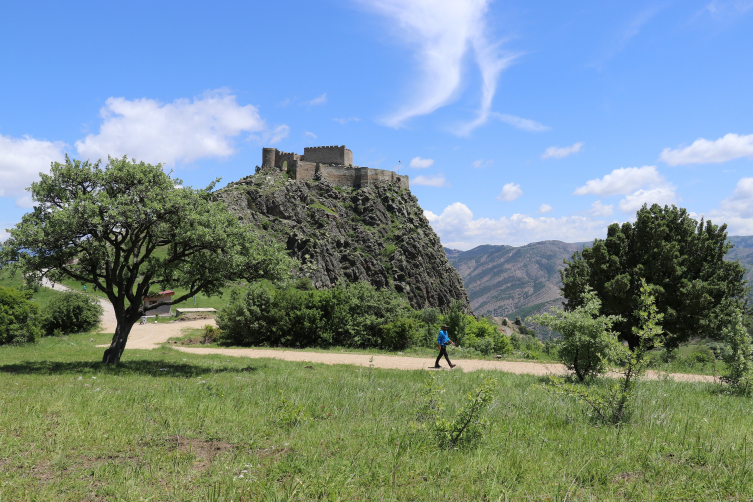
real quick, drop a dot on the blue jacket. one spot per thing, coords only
(443, 339)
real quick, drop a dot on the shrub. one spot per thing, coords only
(587, 338)
(399, 334)
(347, 315)
(72, 312)
(502, 344)
(702, 354)
(485, 346)
(740, 373)
(19, 319)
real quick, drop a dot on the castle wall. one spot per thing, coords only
(328, 155)
(268, 157)
(300, 168)
(285, 157)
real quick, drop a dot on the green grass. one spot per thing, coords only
(165, 425)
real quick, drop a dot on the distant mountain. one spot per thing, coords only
(521, 281)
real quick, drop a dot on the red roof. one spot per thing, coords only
(168, 292)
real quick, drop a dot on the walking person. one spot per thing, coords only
(443, 339)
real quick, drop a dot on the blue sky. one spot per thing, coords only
(516, 121)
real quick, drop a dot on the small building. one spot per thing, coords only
(162, 296)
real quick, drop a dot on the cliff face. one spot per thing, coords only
(376, 234)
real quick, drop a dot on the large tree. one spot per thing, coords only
(131, 229)
(695, 288)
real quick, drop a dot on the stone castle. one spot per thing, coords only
(333, 163)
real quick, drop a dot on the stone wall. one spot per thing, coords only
(328, 155)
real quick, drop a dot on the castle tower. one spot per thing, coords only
(268, 157)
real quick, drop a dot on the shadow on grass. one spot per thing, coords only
(153, 368)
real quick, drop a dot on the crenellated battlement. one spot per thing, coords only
(333, 163)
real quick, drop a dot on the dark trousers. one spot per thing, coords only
(443, 352)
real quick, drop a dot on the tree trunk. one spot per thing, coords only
(119, 339)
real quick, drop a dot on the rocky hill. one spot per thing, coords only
(512, 281)
(520, 281)
(376, 234)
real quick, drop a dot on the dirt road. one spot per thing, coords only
(152, 336)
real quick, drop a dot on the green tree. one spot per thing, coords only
(129, 228)
(683, 261)
(588, 342)
(19, 318)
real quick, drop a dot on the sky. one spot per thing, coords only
(516, 121)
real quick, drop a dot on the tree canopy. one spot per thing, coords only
(695, 289)
(131, 229)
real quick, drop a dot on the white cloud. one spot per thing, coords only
(622, 181)
(419, 163)
(443, 31)
(481, 163)
(661, 195)
(431, 180)
(459, 230)
(599, 209)
(276, 135)
(3, 234)
(544, 208)
(345, 121)
(310, 134)
(21, 161)
(554, 152)
(736, 211)
(510, 192)
(521, 123)
(703, 151)
(319, 100)
(183, 130)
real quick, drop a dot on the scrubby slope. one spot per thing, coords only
(376, 234)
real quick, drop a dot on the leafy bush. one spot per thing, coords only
(740, 373)
(457, 322)
(348, 315)
(702, 354)
(485, 346)
(72, 312)
(19, 319)
(400, 334)
(502, 344)
(587, 338)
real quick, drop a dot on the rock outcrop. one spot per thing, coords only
(377, 234)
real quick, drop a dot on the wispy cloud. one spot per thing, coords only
(432, 180)
(627, 33)
(310, 134)
(599, 209)
(319, 100)
(419, 163)
(555, 152)
(442, 32)
(737, 210)
(510, 192)
(520, 123)
(344, 121)
(703, 151)
(481, 163)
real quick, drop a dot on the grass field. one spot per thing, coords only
(16, 281)
(165, 425)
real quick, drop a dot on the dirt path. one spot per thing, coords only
(152, 336)
(419, 363)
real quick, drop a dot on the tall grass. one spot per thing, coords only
(165, 425)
